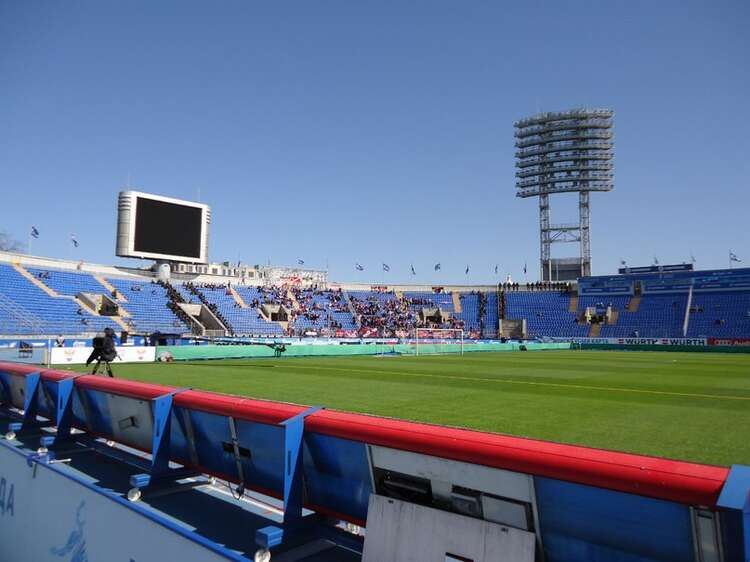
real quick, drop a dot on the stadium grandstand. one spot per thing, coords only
(47, 297)
(171, 452)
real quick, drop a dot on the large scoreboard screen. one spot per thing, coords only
(152, 226)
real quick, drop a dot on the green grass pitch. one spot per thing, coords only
(692, 406)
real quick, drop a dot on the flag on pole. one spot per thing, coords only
(300, 262)
(386, 267)
(656, 260)
(623, 262)
(34, 232)
(692, 258)
(496, 269)
(467, 270)
(524, 269)
(437, 266)
(73, 239)
(412, 270)
(359, 267)
(733, 256)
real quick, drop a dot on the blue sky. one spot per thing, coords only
(342, 132)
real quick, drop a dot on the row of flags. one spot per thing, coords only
(437, 267)
(35, 235)
(732, 258)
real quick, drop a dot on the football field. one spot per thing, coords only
(692, 406)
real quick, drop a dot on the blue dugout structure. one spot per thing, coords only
(94, 468)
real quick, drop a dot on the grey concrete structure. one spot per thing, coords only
(564, 152)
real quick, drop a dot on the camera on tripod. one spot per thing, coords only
(104, 352)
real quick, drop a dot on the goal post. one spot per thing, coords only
(431, 341)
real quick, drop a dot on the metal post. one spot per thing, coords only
(583, 214)
(687, 311)
(294, 429)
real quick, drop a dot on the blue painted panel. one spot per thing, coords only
(337, 474)
(98, 409)
(264, 468)
(735, 523)
(586, 523)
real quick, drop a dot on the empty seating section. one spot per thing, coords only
(68, 282)
(658, 316)
(618, 304)
(546, 313)
(469, 311)
(243, 321)
(27, 309)
(723, 314)
(147, 305)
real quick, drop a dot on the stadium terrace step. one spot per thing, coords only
(573, 306)
(86, 308)
(38, 282)
(595, 330)
(634, 304)
(295, 303)
(237, 298)
(457, 302)
(613, 316)
(112, 290)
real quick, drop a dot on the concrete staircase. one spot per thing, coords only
(35, 280)
(54, 294)
(613, 317)
(291, 297)
(238, 298)
(573, 306)
(110, 288)
(595, 330)
(634, 303)
(457, 302)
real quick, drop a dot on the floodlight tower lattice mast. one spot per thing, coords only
(564, 152)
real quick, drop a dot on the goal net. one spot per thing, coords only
(433, 341)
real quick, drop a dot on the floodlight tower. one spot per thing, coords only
(564, 152)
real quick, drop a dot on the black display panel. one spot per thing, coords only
(167, 228)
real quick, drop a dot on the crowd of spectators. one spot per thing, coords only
(388, 317)
(316, 304)
(538, 286)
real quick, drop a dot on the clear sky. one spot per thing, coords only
(343, 131)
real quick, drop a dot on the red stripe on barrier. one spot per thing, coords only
(683, 482)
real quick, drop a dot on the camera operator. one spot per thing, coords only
(104, 352)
